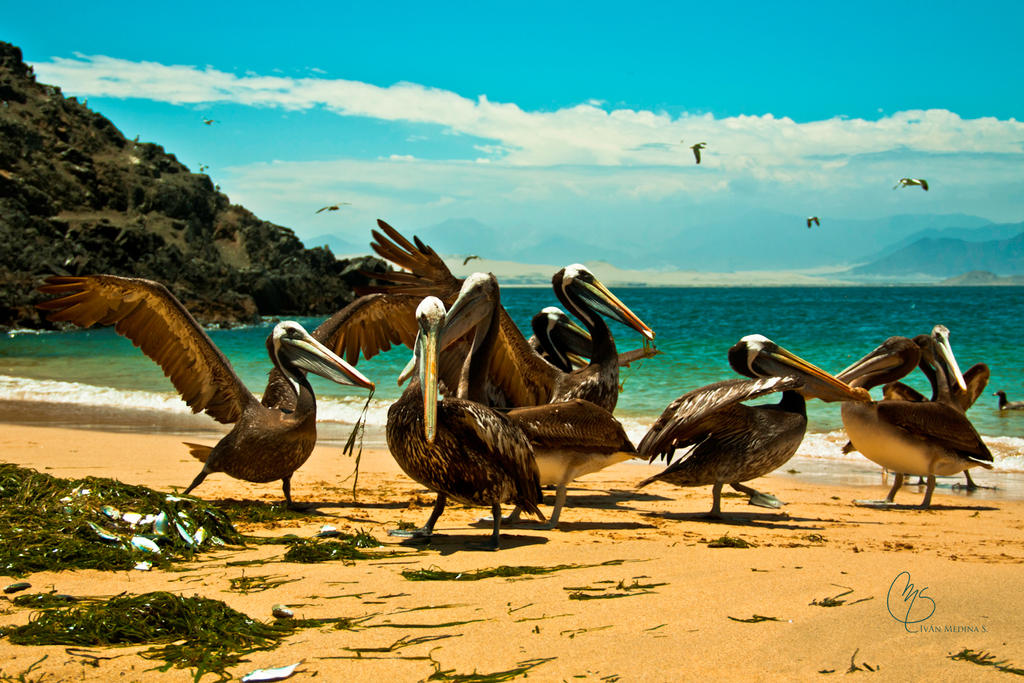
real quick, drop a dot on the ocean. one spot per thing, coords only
(96, 378)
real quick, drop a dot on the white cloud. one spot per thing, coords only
(586, 134)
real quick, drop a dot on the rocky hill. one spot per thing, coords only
(76, 198)
(947, 257)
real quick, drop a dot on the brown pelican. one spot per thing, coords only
(1008, 405)
(569, 440)
(732, 442)
(469, 258)
(333, 207)
(516, 376)
(910, 182)
(567, 346)
(696, 150)
(265, 444)
(924, 438)
(959, 396)
(460, 448)
(813, 220)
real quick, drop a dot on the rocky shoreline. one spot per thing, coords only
(77, 197)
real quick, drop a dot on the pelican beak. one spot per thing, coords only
(428, 351)
(573, 338)
(817, 383)
(312, 356)
(471, 307)
(603, 301)
(940, 333)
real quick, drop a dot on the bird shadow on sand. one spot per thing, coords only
(761, 520)
(447, 544)
(936, 507)
(358, 504)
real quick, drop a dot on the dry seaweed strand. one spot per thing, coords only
(357, 432)
(505, 571)
(982, 658)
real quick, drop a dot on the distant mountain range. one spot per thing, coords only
(946, 257)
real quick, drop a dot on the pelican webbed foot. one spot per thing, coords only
(764, 500)
(427, 530)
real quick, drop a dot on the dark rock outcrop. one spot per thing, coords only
(78, 198)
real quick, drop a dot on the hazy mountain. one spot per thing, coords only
(946, 257)
(985, 233)
(337, 245)
(748, 241)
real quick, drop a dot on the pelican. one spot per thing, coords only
(516, 376)
(569, 439)
(333, 207)
(813, 219)
(924, 438)
(910, 182)
(469, 258)
(567, 346)
(732, 442)
(696, 150)
(960, 397)
(1008, 405)
(265, 443)
(457, 447)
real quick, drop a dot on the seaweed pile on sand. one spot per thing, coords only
(49, 523)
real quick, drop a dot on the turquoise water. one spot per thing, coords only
(830, 327)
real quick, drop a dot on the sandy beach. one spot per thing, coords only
(664, 604)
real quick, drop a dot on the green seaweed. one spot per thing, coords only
(505, 571)
(982, 658)
(520, 670)
(259, 512)
(834, 601)
(863, 666)
(728, 541)
(256, 584)
(313, 551)
(404, 641)
(755, 619)
(23, 676)
(188, 633)
(595, 592)
(50, 523)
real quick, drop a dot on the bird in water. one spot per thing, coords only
(458, 447)
(731, 442)
(333, 207)
(960, 397)
(696, 150)
(265, 443)
(926, 438)
(516, 376)
(1008, 405)
(911, 182)
(813, 220)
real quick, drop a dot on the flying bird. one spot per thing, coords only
(265, 443)
(333, 207)
(814, 220)
(697, 148)
(469, 258)
(209, 122)
(908, 182)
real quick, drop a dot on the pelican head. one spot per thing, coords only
(940, 333)
(893, 359)
(430, 316)
(577, 280)
(292, 348)
(757, 356)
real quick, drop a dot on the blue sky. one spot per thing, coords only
(530, 118)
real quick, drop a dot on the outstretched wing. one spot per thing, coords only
(369, 325)
(148, 314)
(683, 422)
(427, 273)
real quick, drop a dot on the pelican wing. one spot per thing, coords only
(427, 273)
(369, 325)
(898, 391)
(684, 423)
(148, 314)
(576, 424)
(936, 422)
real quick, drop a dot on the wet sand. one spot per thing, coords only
(669, 611)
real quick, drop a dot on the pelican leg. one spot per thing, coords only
(969, 484)
(716, 502)
(928, 492)
(496, 534)
(559, 502)
(427, 530)
(765, 500)
(286, 486)
(897, 484)
(196, 482)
